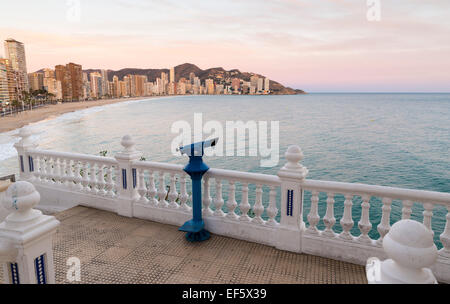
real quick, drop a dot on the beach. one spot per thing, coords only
(19, 120)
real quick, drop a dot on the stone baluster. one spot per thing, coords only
(292, 227)
(206, 198)
(218, 201)
(152, 191)
(244, 206)
(329, 219)
(37, 169)
(184, 196)
(26, 238)
(313, 216)
(49, 170)
(385, 225)
(173, 194)
(127, 192)
(23, 147)
(364, 224)
(93, 178)
(101, 180)
(410, 248)
(428, 215)
(60, 176)
(85, 178)
(272, 211)
(258, 207)
(407, 209)
(445, 237)
(347, 219)
(231, 203)
(109, 181)
(69, 175)
(142, 187)
(162, 193)
(78, 167)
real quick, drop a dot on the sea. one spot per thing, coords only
(398, 140)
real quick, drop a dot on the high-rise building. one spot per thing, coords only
(54, 87)
(260, 87)
(116, 87)
(105, 85)
(36, 81)
(191, 77)
(11, 80)
(236, 84)
(96, 84)
(209, 83)
(71, 77)
(172, 75)
(15, 52)
(127, 80)
(49, 73)
(76, 77)
(4, 85)
(254, 81)
(266, 85)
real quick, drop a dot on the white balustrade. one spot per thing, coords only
(251, 199)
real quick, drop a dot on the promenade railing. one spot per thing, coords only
(278, 210)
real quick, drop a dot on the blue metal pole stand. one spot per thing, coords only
(195, 228)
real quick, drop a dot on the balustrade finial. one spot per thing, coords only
(410, 247)
(128, 143)
(293, 166)
(20, 198)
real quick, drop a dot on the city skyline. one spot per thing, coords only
(311, 45)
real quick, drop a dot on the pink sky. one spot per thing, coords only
(316, 45)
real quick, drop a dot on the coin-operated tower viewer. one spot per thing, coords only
(195, 228)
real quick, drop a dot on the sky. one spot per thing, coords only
(315, 45)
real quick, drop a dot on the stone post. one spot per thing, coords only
(26, 164)
(127, 188)
(26, 238)
(292, 226)
(410, 248)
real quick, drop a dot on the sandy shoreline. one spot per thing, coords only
(19, 120)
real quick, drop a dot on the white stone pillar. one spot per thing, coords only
(410, 248)
(26, 238)
(26, 163)
(292, 227)
(127, 187)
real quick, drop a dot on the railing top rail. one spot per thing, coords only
(155, 166)
(379, 191)
(74, 156)
(253, 178)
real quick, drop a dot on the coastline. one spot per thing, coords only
(22, 119)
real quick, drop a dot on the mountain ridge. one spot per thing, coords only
(183, 70)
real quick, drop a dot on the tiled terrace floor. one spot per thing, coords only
(115, 249)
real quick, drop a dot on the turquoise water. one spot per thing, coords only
(399, 140)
